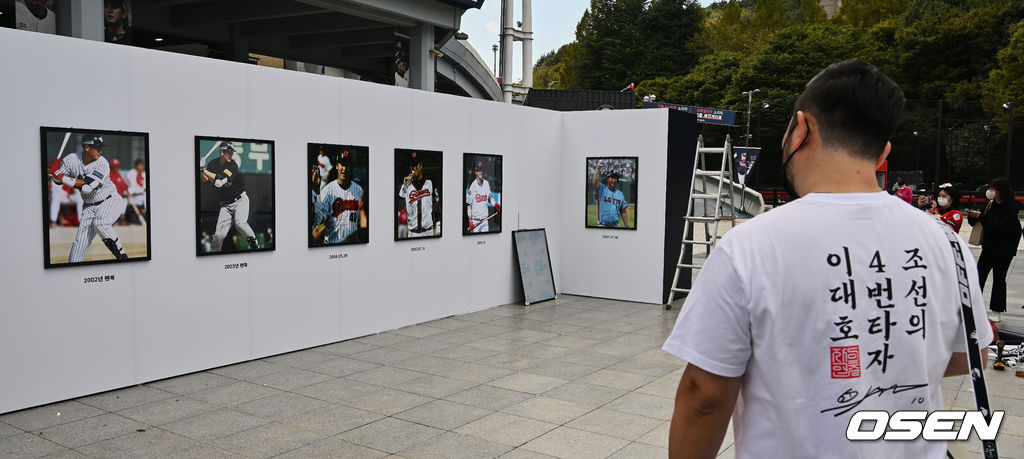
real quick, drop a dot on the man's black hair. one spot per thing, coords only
(856, 105)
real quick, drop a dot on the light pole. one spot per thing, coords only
(746, 148)
(1009, 137)
(495, 49)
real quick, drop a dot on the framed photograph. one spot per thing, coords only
(339, 194)
(534, 259)
(611, 192)
(418, 198)
(95, 196)
(481, 182)
(234, 195)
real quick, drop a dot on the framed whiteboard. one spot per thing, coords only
(535, 265)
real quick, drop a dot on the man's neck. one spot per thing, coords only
(838, 172)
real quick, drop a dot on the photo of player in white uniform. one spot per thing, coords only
(35, 16)
(482, 182)
(339, 196)
(418, 176)
(84, 197)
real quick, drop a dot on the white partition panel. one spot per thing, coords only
(178, 313)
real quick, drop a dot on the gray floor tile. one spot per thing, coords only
(419, 331)
(291, 379)
(529, 336)
(422, 346)
(346, 348)
(387, 401)
(167, 411)
(547, 409)
(34, 419)
(201, 451)
(443, 414)
(267, 440)
(476, 372)
(455, 337)
(234, 394)
(450, 323)
(91, 430)
(657, 437)
(281, 405)
(543, 351)
(590, 358)
(151, 443)
(662, 357)
(562, 370)
(7, 430)
(512, 361)
(390, 435)
(341, 366)
(617, 379)
(428, 364)
(528, 383)
(248, 370)
(520, 453)
(451, 445)
(434, 386)
(384, 356)
(650, 406)
(66, 453)
(117, 400)
(384, 339)
(489, 397)
(506, 429)
(664, 386)
(331, 420)
(465, 353)
(215, 424)
(299, 359)
(192, 383)
(585, 394)
(639, 451)
(606, 421)
(385, 376)
(28, 445)
(643, 367)
(566, 442)
(333, 448)
(336, 390)
(497, 344)
(571, 342)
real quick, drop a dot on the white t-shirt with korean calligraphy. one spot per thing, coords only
(826, 306)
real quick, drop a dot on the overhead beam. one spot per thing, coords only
(326, 22)
(403, 13)
(369, 52)
(233, 11)
(380, 35)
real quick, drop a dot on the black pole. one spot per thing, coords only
(938, 146)
(1009, 141)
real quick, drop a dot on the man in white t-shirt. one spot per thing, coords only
(33, 15)
(818, 309)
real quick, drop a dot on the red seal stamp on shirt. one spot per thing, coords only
(845, 362)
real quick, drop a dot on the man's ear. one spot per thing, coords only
(885, 154)
(801, 130)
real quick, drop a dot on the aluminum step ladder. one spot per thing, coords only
(713, 213)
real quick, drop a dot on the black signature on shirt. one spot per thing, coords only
(851, 398)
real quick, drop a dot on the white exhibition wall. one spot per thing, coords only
(61, 338)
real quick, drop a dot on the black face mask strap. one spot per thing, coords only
(786, 184)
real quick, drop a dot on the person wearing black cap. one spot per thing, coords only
(88, 171)
(611, 203)
(115, 22)
(229, 186)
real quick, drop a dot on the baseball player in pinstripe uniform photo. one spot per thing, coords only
(229, 187)
(421, 200)
(338, 205)
(89, 172)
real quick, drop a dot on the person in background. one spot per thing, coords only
(1002, 233)
(905, 192)
(944, 206)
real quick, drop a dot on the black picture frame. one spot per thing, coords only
(124, 146)
(628, 168)
(325, 156)
(260, 195)
(492, 177)
(432, 172)
(532, 267)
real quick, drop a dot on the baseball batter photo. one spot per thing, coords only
(339, 193)
(418, 179)
(611, 192)
(84, 196)
(234, 195)
(482, 185)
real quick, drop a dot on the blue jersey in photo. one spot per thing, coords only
(609, 205)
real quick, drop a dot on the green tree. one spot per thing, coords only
(727, 32)
(863, 14)
(1006, 81)
(811, 12)
(769, 16)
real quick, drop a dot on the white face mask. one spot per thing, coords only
(990, 195)
(943, 202)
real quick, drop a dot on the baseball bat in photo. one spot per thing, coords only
(139, 214)
(215, 147)
(67, 135)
